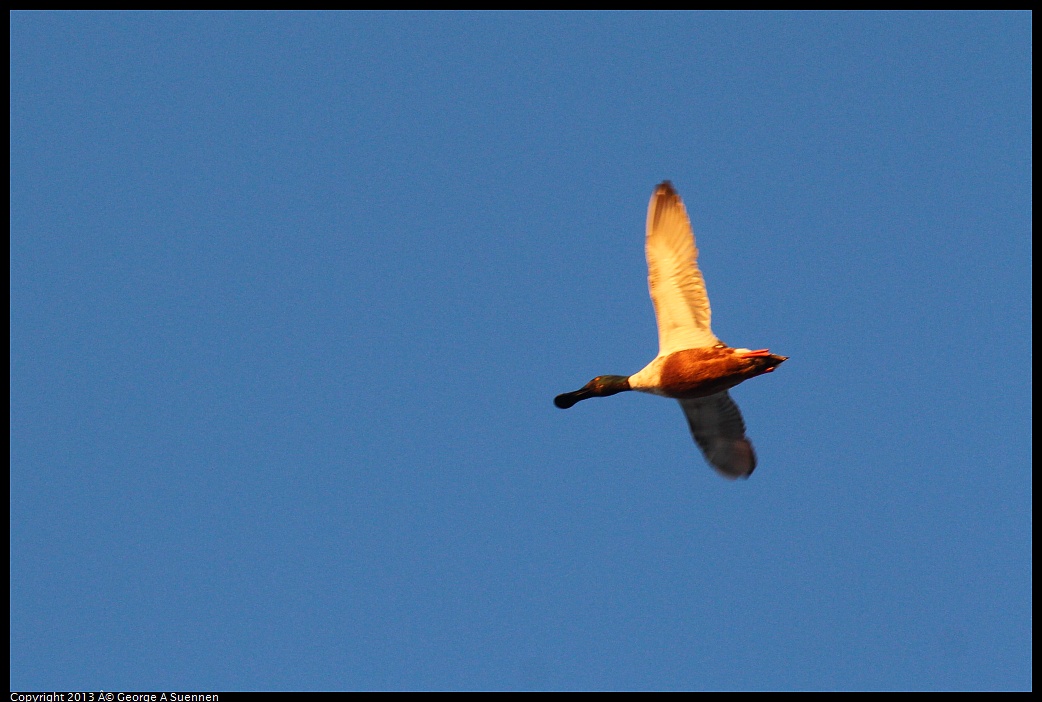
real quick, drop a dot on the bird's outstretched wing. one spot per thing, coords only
(718, 428)
(676, 284)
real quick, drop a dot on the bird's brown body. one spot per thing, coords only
(707, 371)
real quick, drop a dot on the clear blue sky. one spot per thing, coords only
(291, 295)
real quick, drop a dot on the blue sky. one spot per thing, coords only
(291, 295)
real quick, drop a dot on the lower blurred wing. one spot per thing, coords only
(717, 426)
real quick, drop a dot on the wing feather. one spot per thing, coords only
(677, 288)
(719, 430)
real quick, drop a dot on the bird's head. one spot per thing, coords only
(601, 386)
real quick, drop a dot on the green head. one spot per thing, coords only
(601, 386)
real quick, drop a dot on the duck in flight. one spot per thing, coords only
(692, 366)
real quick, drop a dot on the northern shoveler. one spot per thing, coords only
(692, 366)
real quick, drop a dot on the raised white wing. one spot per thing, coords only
(677, 288)
(718, 428)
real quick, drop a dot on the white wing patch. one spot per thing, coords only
(677, 288)
(719, 430)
